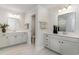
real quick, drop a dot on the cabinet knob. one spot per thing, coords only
(46, 44)
(15, 36)
(46, 35)
(59, 41)
(3, 34)
(7, 37)
(62, 41)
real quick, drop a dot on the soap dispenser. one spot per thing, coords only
(55, 29)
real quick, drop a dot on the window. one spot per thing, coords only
(13, 24)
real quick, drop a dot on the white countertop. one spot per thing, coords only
(73, 35)
(13, 31)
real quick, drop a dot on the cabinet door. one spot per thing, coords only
(19, 37)
(55, 43)
(69, 48)
(3, 40)
(24, 37)
(12, 38)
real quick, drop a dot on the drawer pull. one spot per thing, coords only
(59, 42)
(15, 36)
(46, 44)
(46, 35)
(62, 41)
(3, 34)
(7, 37)
(46, 39)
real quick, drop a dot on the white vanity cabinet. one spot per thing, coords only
(69, 47)
(12, 38)
(9, 39)
(63, 45)
(19, 37)
(3, 40)
(55, 43)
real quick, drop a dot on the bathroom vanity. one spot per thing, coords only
(12, 38)
(66, 44)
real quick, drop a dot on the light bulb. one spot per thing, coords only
(69, 7)
(59, 10)
(64, 9)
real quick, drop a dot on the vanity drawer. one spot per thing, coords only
(75, 40)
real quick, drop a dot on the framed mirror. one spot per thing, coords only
(66, 22)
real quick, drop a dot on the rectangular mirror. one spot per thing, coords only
(66, 22)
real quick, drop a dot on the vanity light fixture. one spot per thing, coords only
(65, 8)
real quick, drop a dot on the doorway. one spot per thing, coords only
(33, 35)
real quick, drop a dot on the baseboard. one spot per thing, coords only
(53, 51)
(13, 45)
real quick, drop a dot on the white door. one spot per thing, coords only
(55, 43)
(33, 29)
(69, 48)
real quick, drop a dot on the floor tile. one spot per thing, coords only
(25, 49)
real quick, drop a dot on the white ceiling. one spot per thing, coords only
(18, 7)
(54, 6)
(27, 7)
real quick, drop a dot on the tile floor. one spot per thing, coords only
(25, 49)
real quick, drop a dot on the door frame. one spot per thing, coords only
(35, 27)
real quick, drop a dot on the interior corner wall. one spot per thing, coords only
(28, 18)
(52, 19)
(42, 16)
(77, 18)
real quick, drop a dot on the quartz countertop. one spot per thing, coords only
(73, 35)
(13, 31)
